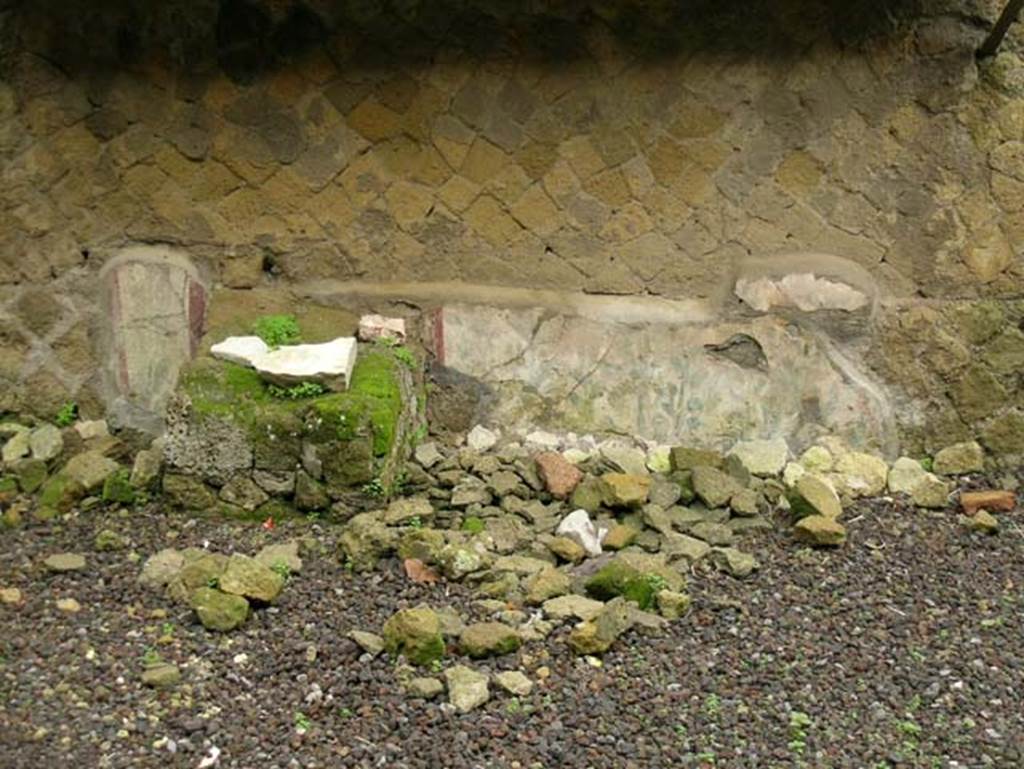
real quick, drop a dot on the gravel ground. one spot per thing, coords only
(903, 649)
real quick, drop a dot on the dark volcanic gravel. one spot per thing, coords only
(903, 649)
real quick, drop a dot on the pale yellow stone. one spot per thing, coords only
(694, 185)
(453, 152)
(709, 154)
(375, 121)
(508, 184)
(638, 176)
(629, 222)
(408, 203)
(536, 211)
(483, 161)
(581, 155)
(609, 187)
(560, 182)
(363, 180)
(536, 159)
(331, 207)
(666, 160)
(489, 220)
(458, 192)
(988, 253)
(696, 121)
(799, 173)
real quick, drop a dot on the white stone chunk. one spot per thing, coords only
(481, 439)
(543, 439)
(242, 350)
(373, 327)
(330, 364)
(578, 526)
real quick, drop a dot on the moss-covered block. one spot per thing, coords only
(117, 489)
(621, 579)
(225, 417)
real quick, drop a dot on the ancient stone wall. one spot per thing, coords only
(608, 149)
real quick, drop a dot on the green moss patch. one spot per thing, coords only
(617, 579)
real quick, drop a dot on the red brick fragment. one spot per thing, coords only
(560, 476)
(994, 501)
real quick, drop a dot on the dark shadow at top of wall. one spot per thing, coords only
(247, 38)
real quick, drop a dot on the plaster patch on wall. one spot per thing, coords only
(155, 302)
(805, 291)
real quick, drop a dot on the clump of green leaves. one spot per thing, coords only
(296, 392)
(927, 463)
(281, 568)
(302, 722)
(473, 525)
(151, 657)
(277, 330)
(415, 522)
(67, 414)
(406, 356)
(374, 488)
(799, 723)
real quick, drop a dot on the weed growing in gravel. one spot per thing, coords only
(213, 582)
(712, 705)
(66, 415)
(345, 713)
(277, 330)
(799, 723)
(150, 657)
(435, 666)
(706, 757)
(302, 722)
(514, 706)
(167, 629)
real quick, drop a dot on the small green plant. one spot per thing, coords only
(799, 723)
(151, 657)
(420, 435)
(302, 722)
(657, 582)
(927, 463)
(277, 330)
(281, 568)
(349, 565)
(213, 582)
(435, 666)
(473, 525)
(345, 713)
(167, 628)
(296, 392)
(712, 704)
(514, 706)
(406, 356)
(415, 522)
(67, 414)
(374, 488)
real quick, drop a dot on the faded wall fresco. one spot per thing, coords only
(616, 149)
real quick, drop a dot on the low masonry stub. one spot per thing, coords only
(262, 450)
